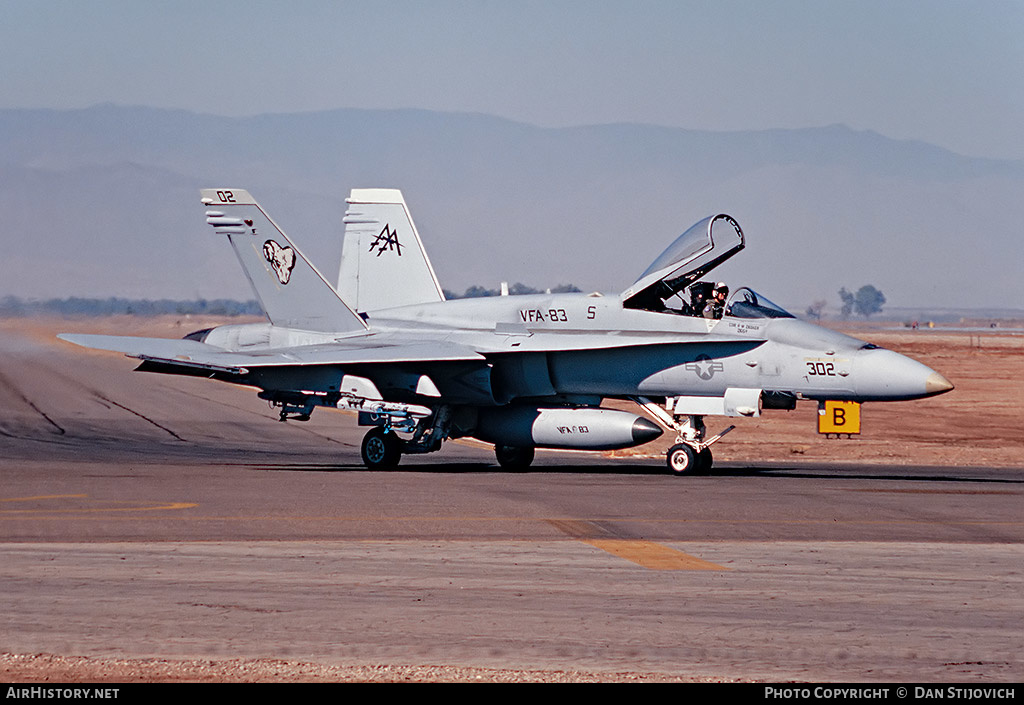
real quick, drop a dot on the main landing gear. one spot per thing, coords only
(514, 457)
(381, 449)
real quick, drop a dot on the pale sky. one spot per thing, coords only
(949, 73)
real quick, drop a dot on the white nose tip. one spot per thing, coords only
(884, 375)
(937, 384)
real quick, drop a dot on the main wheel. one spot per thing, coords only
(381, 449)
(682, 460)
(513, 457)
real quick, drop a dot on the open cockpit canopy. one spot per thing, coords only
(696, 252)
(747, 303)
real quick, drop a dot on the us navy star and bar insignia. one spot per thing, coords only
(705, 367)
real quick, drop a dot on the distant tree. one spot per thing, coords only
(519, 289)
(815, 309)
(12, 306)
(868, 300)
(75, 306)
(848, 300)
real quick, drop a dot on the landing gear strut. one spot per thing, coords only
(691, 454)
(383, 447)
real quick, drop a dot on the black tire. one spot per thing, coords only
(513, 457)
(381, 449)
(682, 460)
(705, 461)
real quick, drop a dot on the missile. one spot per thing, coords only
(568, 428)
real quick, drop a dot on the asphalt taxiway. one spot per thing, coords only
(150, 516)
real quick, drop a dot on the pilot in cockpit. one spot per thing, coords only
(700, 293)
(715, 308)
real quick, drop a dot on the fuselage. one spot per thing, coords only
(578, 345)
(595, 346)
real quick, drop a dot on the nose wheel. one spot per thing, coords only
(683, 459)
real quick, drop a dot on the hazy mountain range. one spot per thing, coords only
(104, 202)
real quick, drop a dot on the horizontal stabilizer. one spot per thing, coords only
(188, 353)
(191, 353)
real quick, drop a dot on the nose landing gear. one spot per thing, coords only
(683, 459)
(691, 454)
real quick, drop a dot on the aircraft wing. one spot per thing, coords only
(193, 354)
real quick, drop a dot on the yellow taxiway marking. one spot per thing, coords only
(652, 555)
(83, 510)
(647, 554)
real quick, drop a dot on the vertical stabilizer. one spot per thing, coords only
(383, 263)
(291, 291)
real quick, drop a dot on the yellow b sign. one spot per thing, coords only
(839, 417)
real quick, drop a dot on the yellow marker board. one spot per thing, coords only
(839, 417)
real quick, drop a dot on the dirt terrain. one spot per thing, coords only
(49, 668)
(978, 424)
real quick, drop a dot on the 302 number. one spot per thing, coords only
(821, 369)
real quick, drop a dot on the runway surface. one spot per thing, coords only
(143, 515)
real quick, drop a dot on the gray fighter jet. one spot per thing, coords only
(521, 372)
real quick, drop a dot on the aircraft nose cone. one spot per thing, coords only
(937, 384)
(884, 375)
(645, 430)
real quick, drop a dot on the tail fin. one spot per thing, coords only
(290, 289)
(383, 263)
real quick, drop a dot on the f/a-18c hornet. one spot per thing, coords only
(521, 372)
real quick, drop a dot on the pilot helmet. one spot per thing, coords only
(722, 287)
